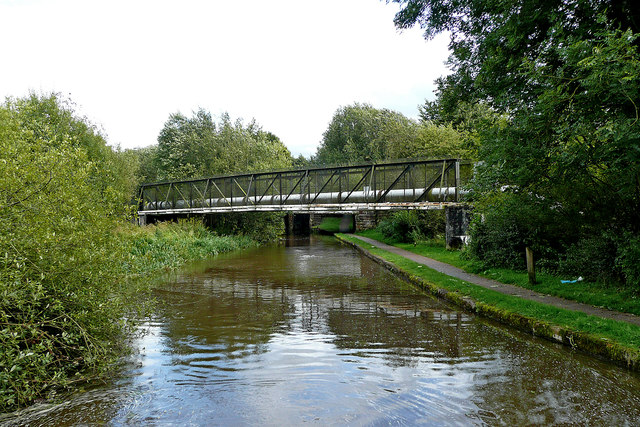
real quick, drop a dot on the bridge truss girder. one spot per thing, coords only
(418, 184)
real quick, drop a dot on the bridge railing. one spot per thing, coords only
(399, 182)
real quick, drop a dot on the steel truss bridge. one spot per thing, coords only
(418, 184)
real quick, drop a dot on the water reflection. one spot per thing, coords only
(313, 332)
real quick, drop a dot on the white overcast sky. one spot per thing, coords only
(287, 63)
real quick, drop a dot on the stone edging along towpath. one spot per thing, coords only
(582, 341)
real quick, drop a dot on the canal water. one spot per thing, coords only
(313, 332)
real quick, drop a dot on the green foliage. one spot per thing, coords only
(400, 226)
(566, 76)
(432, 141)
(469, 120)
(628, 260)
(356, 134)
(198, 147)
(144, 164)
(592, 257)
(361, 133)
(263, 227)
(170, 245)
(413, 226)
(492, 42)
(330, 224)
(432, 224)
(579, 147)
(62, 196)
(506, 223)
(301, 162)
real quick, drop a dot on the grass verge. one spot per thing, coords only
(330, 224)
(616, 341)
(596, 294)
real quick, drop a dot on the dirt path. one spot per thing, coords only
(452, 271)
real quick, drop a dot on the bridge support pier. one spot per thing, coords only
(366, 220)
(457, 226)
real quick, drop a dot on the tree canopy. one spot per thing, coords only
(362, 133)
(196, 146)
(565, 75)
(491, 42)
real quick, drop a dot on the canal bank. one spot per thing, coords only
(604, 333)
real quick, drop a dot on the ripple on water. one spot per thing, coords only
(319, 334)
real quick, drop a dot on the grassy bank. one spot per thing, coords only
(615, 298)
(171, 245)
(617, 341)
(330, 225)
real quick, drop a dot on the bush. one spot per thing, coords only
(413, 226)
(506, 223)
(262, 227)
(628, 260)
(563, 243)
(498, 242)
(402, 226)
(593, 258)
(61, 297)
(432, 223)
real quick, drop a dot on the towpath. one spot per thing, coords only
(504, 288)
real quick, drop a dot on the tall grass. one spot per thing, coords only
(170, 245)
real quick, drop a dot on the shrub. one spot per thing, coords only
(402, 226)
(506, 223)
(263, 227)
(61, 297)
(413, 226)
(592, 257)
(628, 260)
(431, 223)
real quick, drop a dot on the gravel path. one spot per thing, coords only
(517, 291)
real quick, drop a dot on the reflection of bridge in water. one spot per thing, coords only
(419, 184)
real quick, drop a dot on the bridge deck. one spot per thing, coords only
(419, 184)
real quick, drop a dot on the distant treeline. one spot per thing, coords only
(198, 146)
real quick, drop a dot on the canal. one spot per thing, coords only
(314, 332)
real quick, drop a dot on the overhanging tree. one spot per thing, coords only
(566, 74)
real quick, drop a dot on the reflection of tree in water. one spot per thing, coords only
(406, 335)
(228, 318)
(240, 303)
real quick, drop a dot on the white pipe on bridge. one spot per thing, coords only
(366, 196)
